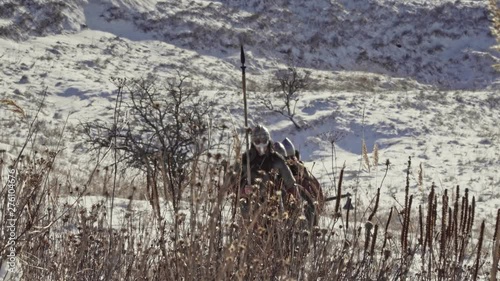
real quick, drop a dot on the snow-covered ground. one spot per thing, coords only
(413, 77)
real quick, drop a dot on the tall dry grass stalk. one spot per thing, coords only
(387, 235)
(421, 177)
(496, 250)
(364, 152)
(406, 214)
(339, 191)
(375, 155)
(429, 230)
(443, 234)
(479, 248)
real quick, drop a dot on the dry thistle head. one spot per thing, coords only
(317, 231)
(368, 225)
(218, 156)
(180, 217)
(261, 230)
(270, 185)
(387, 254)
(285, 216)
(274, 215)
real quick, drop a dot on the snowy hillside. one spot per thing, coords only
(442, 43)
(414, 77)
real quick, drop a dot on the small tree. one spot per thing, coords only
(158, 128)
(286, 85)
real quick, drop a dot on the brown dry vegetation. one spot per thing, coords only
(193, 229)
(438, 240)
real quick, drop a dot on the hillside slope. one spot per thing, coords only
(441, 43)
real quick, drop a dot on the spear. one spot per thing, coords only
(243, 80)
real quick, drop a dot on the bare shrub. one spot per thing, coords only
(159, 128)
(286, 86)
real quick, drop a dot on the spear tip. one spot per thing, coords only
(242, 55)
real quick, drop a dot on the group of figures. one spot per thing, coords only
(276, 171)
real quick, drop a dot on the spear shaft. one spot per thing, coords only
(249, 179)
(244, 87)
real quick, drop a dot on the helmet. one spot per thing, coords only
(260, 135)
(260, 138)
(289, 147)
(279, 148)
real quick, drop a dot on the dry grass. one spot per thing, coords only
(13, 107)
(205, 237)
(438, 240)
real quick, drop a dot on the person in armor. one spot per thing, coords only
(264, 160)
(304, 178)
